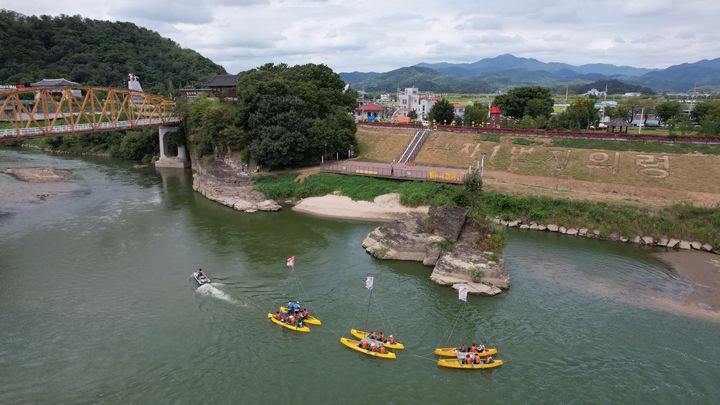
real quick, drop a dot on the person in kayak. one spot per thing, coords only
(289, 306)
(299, 323)
(373, 346)
(466, 359)
(382, 350)
(489, 360)
(200, 273)
(278, 316)
(473, 348)
(304, 313)
(296, 307)
(364, 344)
(382, 337)
(462, 349)
(373, 335)
(391, 340)
(477, 360)
(481, 348)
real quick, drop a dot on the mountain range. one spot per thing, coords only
(507, 71)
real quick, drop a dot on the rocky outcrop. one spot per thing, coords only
(420, 238)
(404, 239)
(456, 268)
(221, 182)
(38, 174)
(240, 197)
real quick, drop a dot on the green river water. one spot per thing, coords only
(97, 306)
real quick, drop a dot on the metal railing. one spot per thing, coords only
(399, 173)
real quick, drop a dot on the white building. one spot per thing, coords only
(409, 98)
(595, 92)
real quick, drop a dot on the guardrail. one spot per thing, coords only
(613, 136)
(398, 173)
(83, 128)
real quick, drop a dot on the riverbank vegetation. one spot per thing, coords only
(682, 221)
(141, 145)
(285, 116)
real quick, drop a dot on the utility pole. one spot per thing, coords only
(482, 164)
(640, 124)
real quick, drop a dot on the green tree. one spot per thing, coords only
(527, 100)
(293, 115)
(583, 112)
(704, 109)
(442, 112)
(667, 110)
(412, 115)
(475, 113)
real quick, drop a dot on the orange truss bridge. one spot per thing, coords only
(37, 112)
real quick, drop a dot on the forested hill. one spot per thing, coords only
(94, 52)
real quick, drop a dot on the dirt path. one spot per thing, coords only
(517, 184)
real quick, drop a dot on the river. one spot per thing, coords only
(98, 307)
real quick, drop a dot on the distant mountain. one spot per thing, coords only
(94, 52)
(354, 77)
(684, 77)
(507, 71)
(415, 76)
(613, 87)
(510, 62)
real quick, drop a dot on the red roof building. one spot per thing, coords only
(369, 112)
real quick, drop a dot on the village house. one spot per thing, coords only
(458, 109)
(370, 113)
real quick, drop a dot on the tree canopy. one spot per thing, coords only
(535, 101)
(442, 112)
(293, 115)
(94, 52)
(475, 113)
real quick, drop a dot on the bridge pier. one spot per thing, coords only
(180, 161)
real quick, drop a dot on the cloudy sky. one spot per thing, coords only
(384, 35)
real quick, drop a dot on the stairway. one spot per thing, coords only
(413, 148)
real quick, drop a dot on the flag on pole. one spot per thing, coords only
(291, 262)
(369, 282)
(462, 293)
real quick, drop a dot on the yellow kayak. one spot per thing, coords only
(452, 352)
(454, 363)
(283, 324)
(310, 319)
(362, 334)
(353, 344)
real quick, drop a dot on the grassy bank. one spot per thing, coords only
(637, 146)
(680, 221)
(359, 188)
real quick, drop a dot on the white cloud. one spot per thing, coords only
(383, 35)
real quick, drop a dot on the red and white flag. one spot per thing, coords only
(462, 293)
(291, 262)
(369, 282)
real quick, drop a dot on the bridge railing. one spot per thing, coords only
(68, 129)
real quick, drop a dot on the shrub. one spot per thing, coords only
(445, 245)
(476, 274)
(473, 182)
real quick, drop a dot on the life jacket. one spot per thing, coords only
(278, 316)
(373, 347)
(364, 344)
(382, 350)
(473, 349)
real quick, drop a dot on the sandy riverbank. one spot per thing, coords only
(384, 208)
(703, 271)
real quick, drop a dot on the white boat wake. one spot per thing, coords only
(210, 290)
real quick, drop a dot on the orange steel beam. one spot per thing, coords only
(117, 105)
